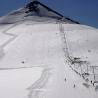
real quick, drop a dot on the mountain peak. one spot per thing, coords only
(33, 10)
(37, 8)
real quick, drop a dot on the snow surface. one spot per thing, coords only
(14, 83)
(34, 63)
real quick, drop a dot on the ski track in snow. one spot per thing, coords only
(10, 34)
(39, 86)
(36, 88)
(5, 32)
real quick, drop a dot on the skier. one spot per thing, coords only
(74, 86)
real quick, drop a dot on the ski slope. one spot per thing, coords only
(44, 54)
(34, 63)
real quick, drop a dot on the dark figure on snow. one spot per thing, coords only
(74, 86)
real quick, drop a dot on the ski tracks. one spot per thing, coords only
(38, 87)
(5, 32)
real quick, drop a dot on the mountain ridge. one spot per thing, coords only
(34, 9)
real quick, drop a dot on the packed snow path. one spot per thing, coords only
(41, 46)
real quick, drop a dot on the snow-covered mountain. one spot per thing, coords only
(44, 54)
(35, 11)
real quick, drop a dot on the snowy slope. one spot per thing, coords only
(43, 57)
(41, 45)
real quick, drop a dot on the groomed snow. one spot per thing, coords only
(41, 45)
(14, 83)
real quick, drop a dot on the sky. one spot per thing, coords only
(83, 11)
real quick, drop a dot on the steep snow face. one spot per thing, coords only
(82, 50)
(27, 36)
(34, 60)
(82, 42)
